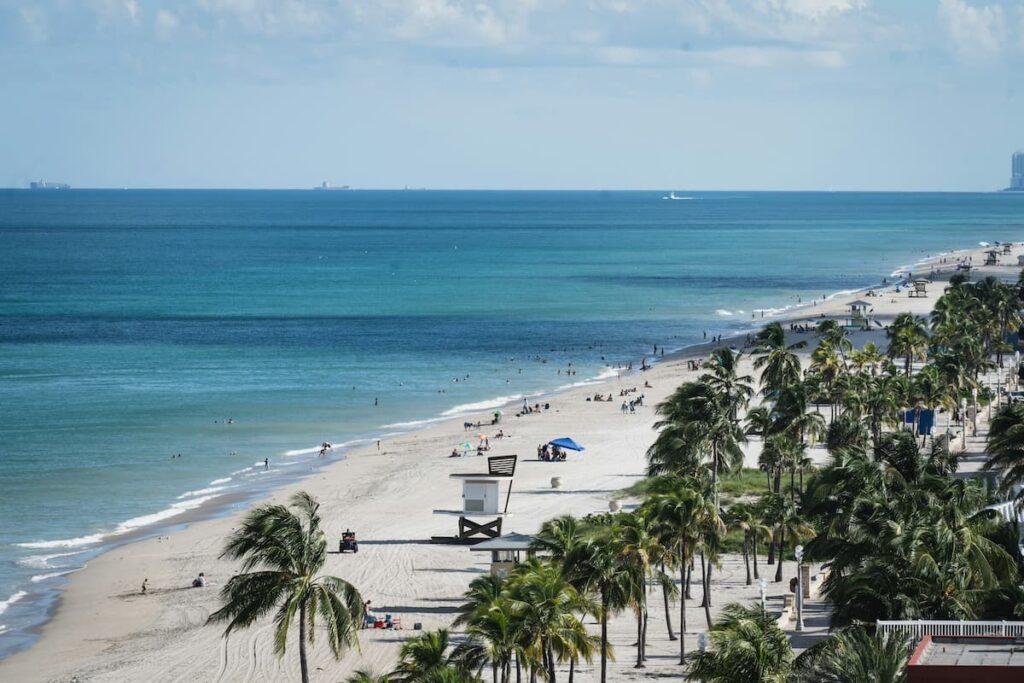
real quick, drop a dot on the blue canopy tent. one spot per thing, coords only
(566, 443)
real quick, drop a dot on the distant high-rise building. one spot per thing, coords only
(1017, 171)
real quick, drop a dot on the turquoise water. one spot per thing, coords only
(135, 324)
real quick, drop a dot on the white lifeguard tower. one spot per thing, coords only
(860, 314)
(482, 500)
(920, 288)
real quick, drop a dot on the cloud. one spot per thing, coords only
(977, 33)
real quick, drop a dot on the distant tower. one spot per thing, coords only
(1017, 176)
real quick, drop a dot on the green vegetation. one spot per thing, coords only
(282, 549)
(902, 536)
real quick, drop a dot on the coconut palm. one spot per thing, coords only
(793, 529)
(733, 390)
(853, 655)
(777, 361)
(364, 676)
(546, 606)
(680, 514)
(1006, 447)
(283, 549)
(838, 337)
(747, 646)
(599, 567)
(429, 658)
(908, 339)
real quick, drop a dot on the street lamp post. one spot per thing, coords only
(762, 583)
(799, 552)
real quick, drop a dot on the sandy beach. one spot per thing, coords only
(105, 630)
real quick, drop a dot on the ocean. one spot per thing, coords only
(241, 327)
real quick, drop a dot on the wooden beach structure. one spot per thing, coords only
(506, 552)
(482, 510)
(992, 257)
(1007, 248)
(859, 315)
(920, 288)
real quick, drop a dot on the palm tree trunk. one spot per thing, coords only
(753, 554)
(782, 545)
(572, 669)
(604, 635)
(494, 671)
(704, 580)
(647, 619)
(551, 662)
(303, 665)
(689, 581)
(519, 671)
(668, 613)
(639, 638)
(746, 556)
(771, 547)
(682, 608)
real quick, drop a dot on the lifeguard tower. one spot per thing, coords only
(482, 510)
(991, 257)
(860, 314)
(920, 288)
(1007, 248)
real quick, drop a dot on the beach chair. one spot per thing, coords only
(369, 620)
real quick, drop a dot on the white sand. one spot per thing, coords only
(104, 630)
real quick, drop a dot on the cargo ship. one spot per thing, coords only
(47, 185)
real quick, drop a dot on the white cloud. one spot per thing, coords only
(977, 33)
(166, 23)
(35, 22)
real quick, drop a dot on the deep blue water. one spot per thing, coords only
(133, 324)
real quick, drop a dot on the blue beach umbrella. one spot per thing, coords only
(567, 443)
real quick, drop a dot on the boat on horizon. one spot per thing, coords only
(673, 195)
(47, 185)
(327, 186)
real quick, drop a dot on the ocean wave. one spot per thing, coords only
(203, 492)
(11, 600)
(496, 402)
(724, 312)
(299, 451)
(44, 561)
(64, 542)
(172, 511)
(241, 471)
(412, 424)
(216, 482)
(52, 575)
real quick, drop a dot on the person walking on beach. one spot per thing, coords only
(144, 582)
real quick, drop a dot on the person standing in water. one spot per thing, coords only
(266, 463)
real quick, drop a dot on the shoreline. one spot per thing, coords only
(218, 513)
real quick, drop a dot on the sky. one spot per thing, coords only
(513, 94)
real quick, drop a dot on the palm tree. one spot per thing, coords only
(545, 605)
(744, 517)
(908, 339)
(853, 655)
(364, 676)
(778, 362)
(429, 657)
(598, 565)
(747, 646)
(1006, 447)
(680, 514)
(793, 529)
(283, 549)
(838, 337)
(497, 636)
(733, 390)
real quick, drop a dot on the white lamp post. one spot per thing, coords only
(974, 418)
(963, 420)
(762, 583)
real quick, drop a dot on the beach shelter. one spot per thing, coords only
(506, 551)
(991, 257)
(566, 443)
(920, 288)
